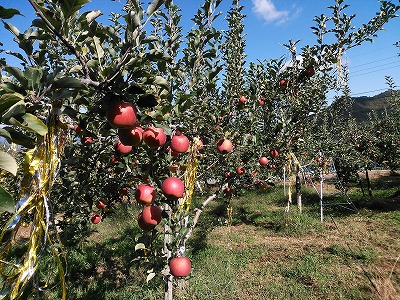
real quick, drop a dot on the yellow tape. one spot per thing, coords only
(40, 168)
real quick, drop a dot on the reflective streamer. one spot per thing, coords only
(41, 166)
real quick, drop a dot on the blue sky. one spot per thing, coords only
(271, 23)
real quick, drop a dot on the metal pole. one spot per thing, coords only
(320, 198)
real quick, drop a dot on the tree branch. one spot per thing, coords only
(62, 38)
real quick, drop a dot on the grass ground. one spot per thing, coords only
(262, 254)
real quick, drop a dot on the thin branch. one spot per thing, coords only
(62, 38)
(199, 210)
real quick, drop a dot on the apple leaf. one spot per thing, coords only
(154, 6)
(150, 276)
(31, 123)
(6, 201)
(140, 246)
(8, 13)
(8, 163)
(68, 82)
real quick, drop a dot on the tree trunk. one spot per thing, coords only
(368, 182)
(168, 287)
(298, 191)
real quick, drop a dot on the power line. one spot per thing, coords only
(373, 62)
(376, 70)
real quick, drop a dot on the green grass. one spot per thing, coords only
(263, 254)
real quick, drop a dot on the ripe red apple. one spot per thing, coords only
(224, 146)
(145, 194)
(199, 145)
(228, 191)
(173, 168)
(87, 140)
(121, 114)
(180, 266)
(242, 99)
(100, 204)
(179, 143)
(274, 153)
(121, 148)
(154, 137)
(123, 191)
(319, 159)
(262, 101)
(152, 215)
(228, 174)
(131, 136)
(283, 83)
(263, 161)
(309, 71)
(240, 170)
(78, 130)
(173, 188)
(95, 218)
(143, 225)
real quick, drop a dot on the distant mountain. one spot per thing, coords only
(363, 106)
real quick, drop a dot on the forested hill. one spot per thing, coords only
(364, 105)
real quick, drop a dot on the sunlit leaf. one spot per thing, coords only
(31, 123)
(6, 201)
(8, 163)
(154, 6)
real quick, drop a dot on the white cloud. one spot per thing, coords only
(267, 10)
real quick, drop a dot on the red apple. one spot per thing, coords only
(100, 204)
(123, 191)
(131, 136)
(242, 99)
(274, 153)
(199, 145)
(319, 159)
(95, 218)
(173, 168)
(283, 84)
(121, 148)
(240, 170)
(121, 114)
(228, 174)
(263, 161)
(154, 137)
(262, 101)
(173, 188)
(224, 146)
(152, 215)
(78, 130)
(179, 143)
(143, 225)
(309, 71)
(145, 194)
(228, 191)
(87, 140)
(180, 266)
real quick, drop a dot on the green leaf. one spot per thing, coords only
(68, 82)
(6, 201)
(8, 163)
(8, 13)
(8, 100)
(31, 123)
(4, 133)
(150, 276)
(18, 108)
(154, 6)
(18, 74)
(99, 49)
(21, 138)
(140, 246)
(93, 15)
(162, 82)
(11, 28)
